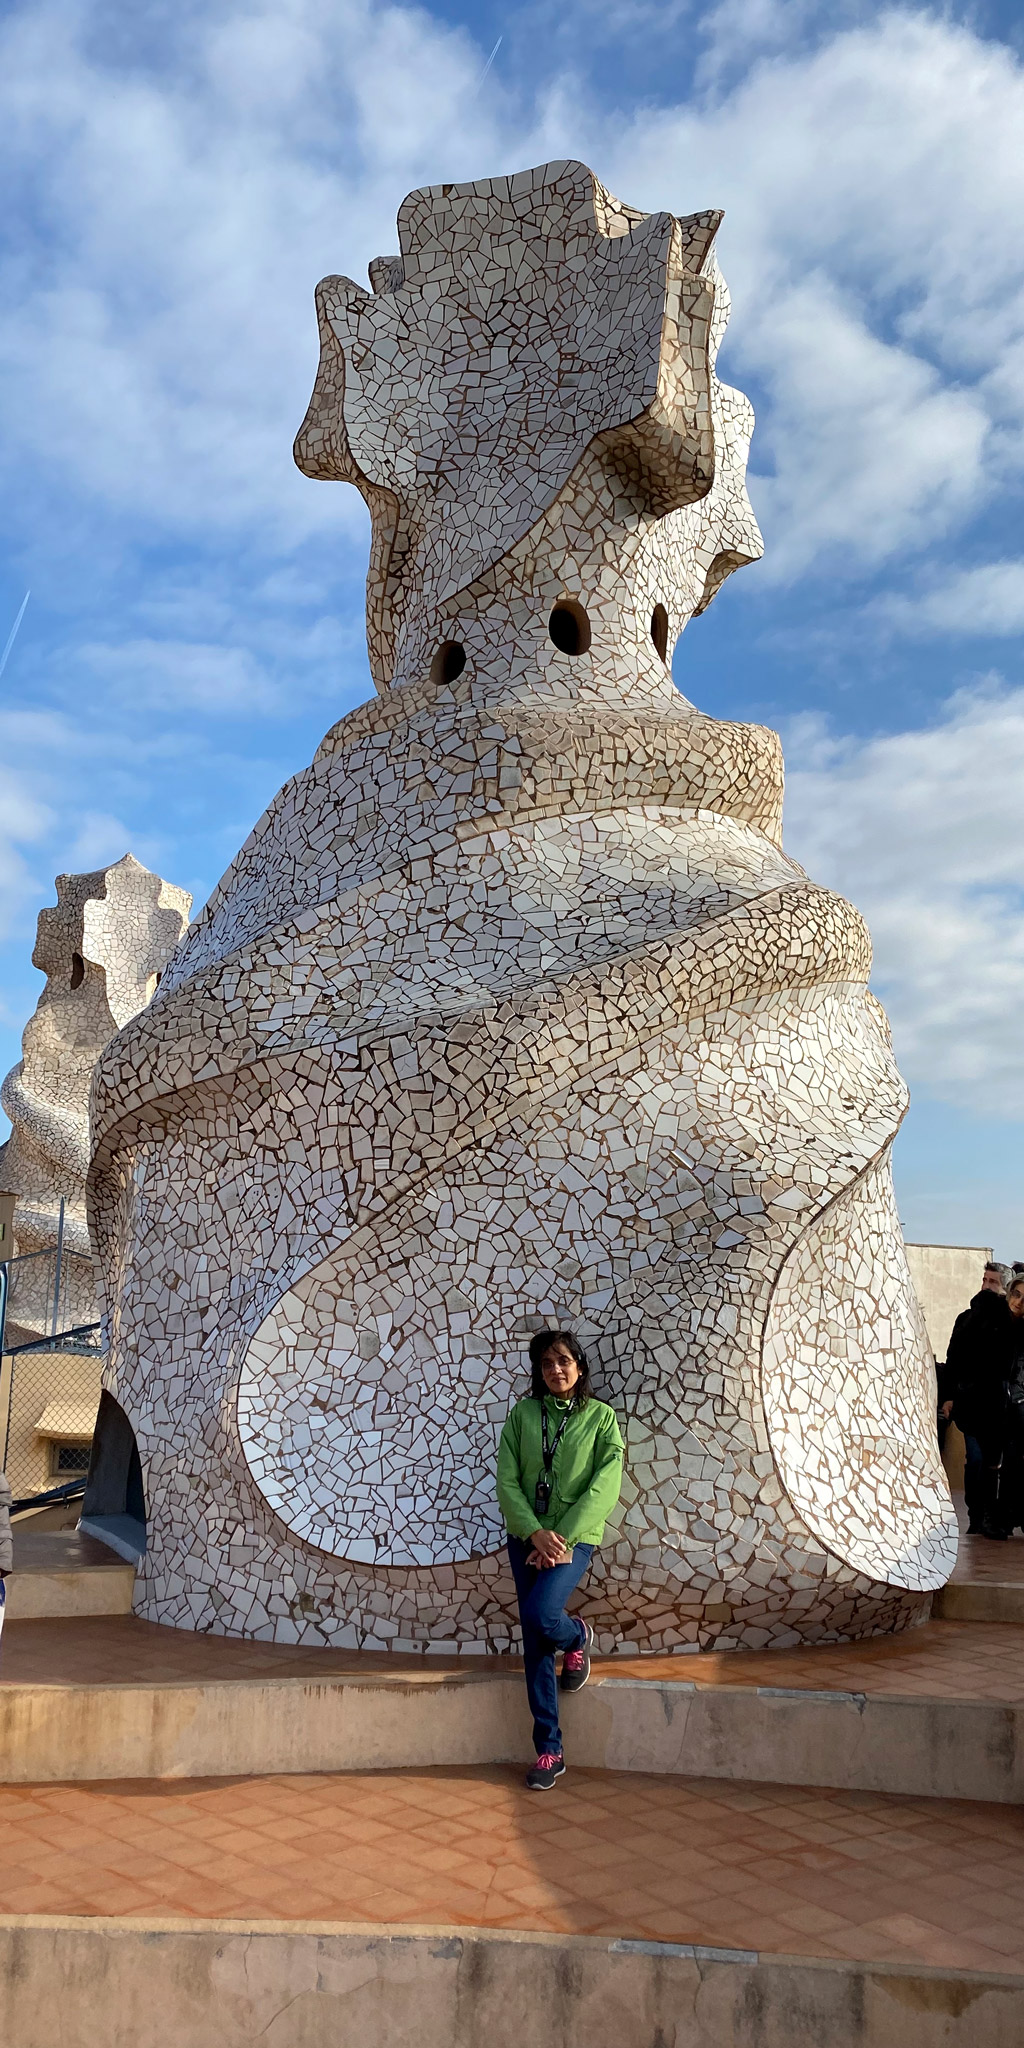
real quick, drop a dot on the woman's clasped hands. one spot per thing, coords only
(549, 1548)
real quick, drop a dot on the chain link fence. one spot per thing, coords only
(48, 1404)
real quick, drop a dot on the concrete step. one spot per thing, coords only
(61, 1573)
(218, 1984)
(449, 1908)
(987, 1583)
(938, 1711)
(992, 1599)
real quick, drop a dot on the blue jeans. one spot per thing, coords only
(546, 1629)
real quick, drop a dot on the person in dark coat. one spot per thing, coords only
(978, 1362)
(1011, 1478)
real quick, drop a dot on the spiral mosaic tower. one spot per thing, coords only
(512, 1011)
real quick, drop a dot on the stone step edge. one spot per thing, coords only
(999, 1600)
(441, 1681)
(932, 1748)
(448, 1930)
(309, 1983)
(38, 1593)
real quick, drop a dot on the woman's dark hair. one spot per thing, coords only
(540, 1345)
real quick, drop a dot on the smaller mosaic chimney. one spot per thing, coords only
(102, 947)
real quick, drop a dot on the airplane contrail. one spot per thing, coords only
(489, 62)
(13, 634)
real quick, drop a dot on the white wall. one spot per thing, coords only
(945, 1276)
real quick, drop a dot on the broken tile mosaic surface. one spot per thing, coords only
(512, 1011)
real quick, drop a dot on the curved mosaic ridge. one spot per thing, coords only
(512, 1010)
(850, 1414)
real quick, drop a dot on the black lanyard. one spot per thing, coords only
(549, 1455)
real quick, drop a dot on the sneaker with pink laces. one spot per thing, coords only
(547, 1768)
(576, 1663)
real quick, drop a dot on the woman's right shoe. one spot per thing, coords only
(992, 1530)
(576, 1663)
(547, 1768)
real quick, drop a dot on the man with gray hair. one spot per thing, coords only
(995, 1277)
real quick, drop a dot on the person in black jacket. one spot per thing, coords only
(977, 1368)
(1011, 1478)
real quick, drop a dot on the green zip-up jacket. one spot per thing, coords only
(586, 1473)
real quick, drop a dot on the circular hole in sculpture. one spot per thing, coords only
(448, 662)
(569, 627)
(77, 970)
(659, 630)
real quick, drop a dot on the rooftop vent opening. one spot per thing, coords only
(77, 970)
(569, 627)
(659, 630)
(448, 662)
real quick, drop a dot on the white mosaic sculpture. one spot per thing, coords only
(102, 948)
(511, 1012)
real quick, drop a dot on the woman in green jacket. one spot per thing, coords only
(559, 1476)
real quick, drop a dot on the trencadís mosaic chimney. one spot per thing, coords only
(513, 1012)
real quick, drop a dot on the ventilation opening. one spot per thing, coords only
(569, 628)
(448, 662)
(77, 970)
(659, 630)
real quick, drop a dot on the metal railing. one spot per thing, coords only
(55, 1496)
(49, 1290)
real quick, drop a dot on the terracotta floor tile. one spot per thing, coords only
(35, 1898)
(529, 1891)
(811, 1919)
(789, 1869)
(450, 1861)
(576, 1919)
(683, 1893)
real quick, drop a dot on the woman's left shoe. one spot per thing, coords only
(547, 1768)
(576, 1663)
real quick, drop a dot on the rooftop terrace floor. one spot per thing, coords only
(729, 1865)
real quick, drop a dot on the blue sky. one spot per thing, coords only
(177, 180)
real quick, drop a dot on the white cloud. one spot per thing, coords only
(924, 831)
(873, 453)
(986, 600)
(99, 840)
(159, 345)
(50, 821)
(873, 187)
(27, 819)
(161, 340)
(184, 675)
